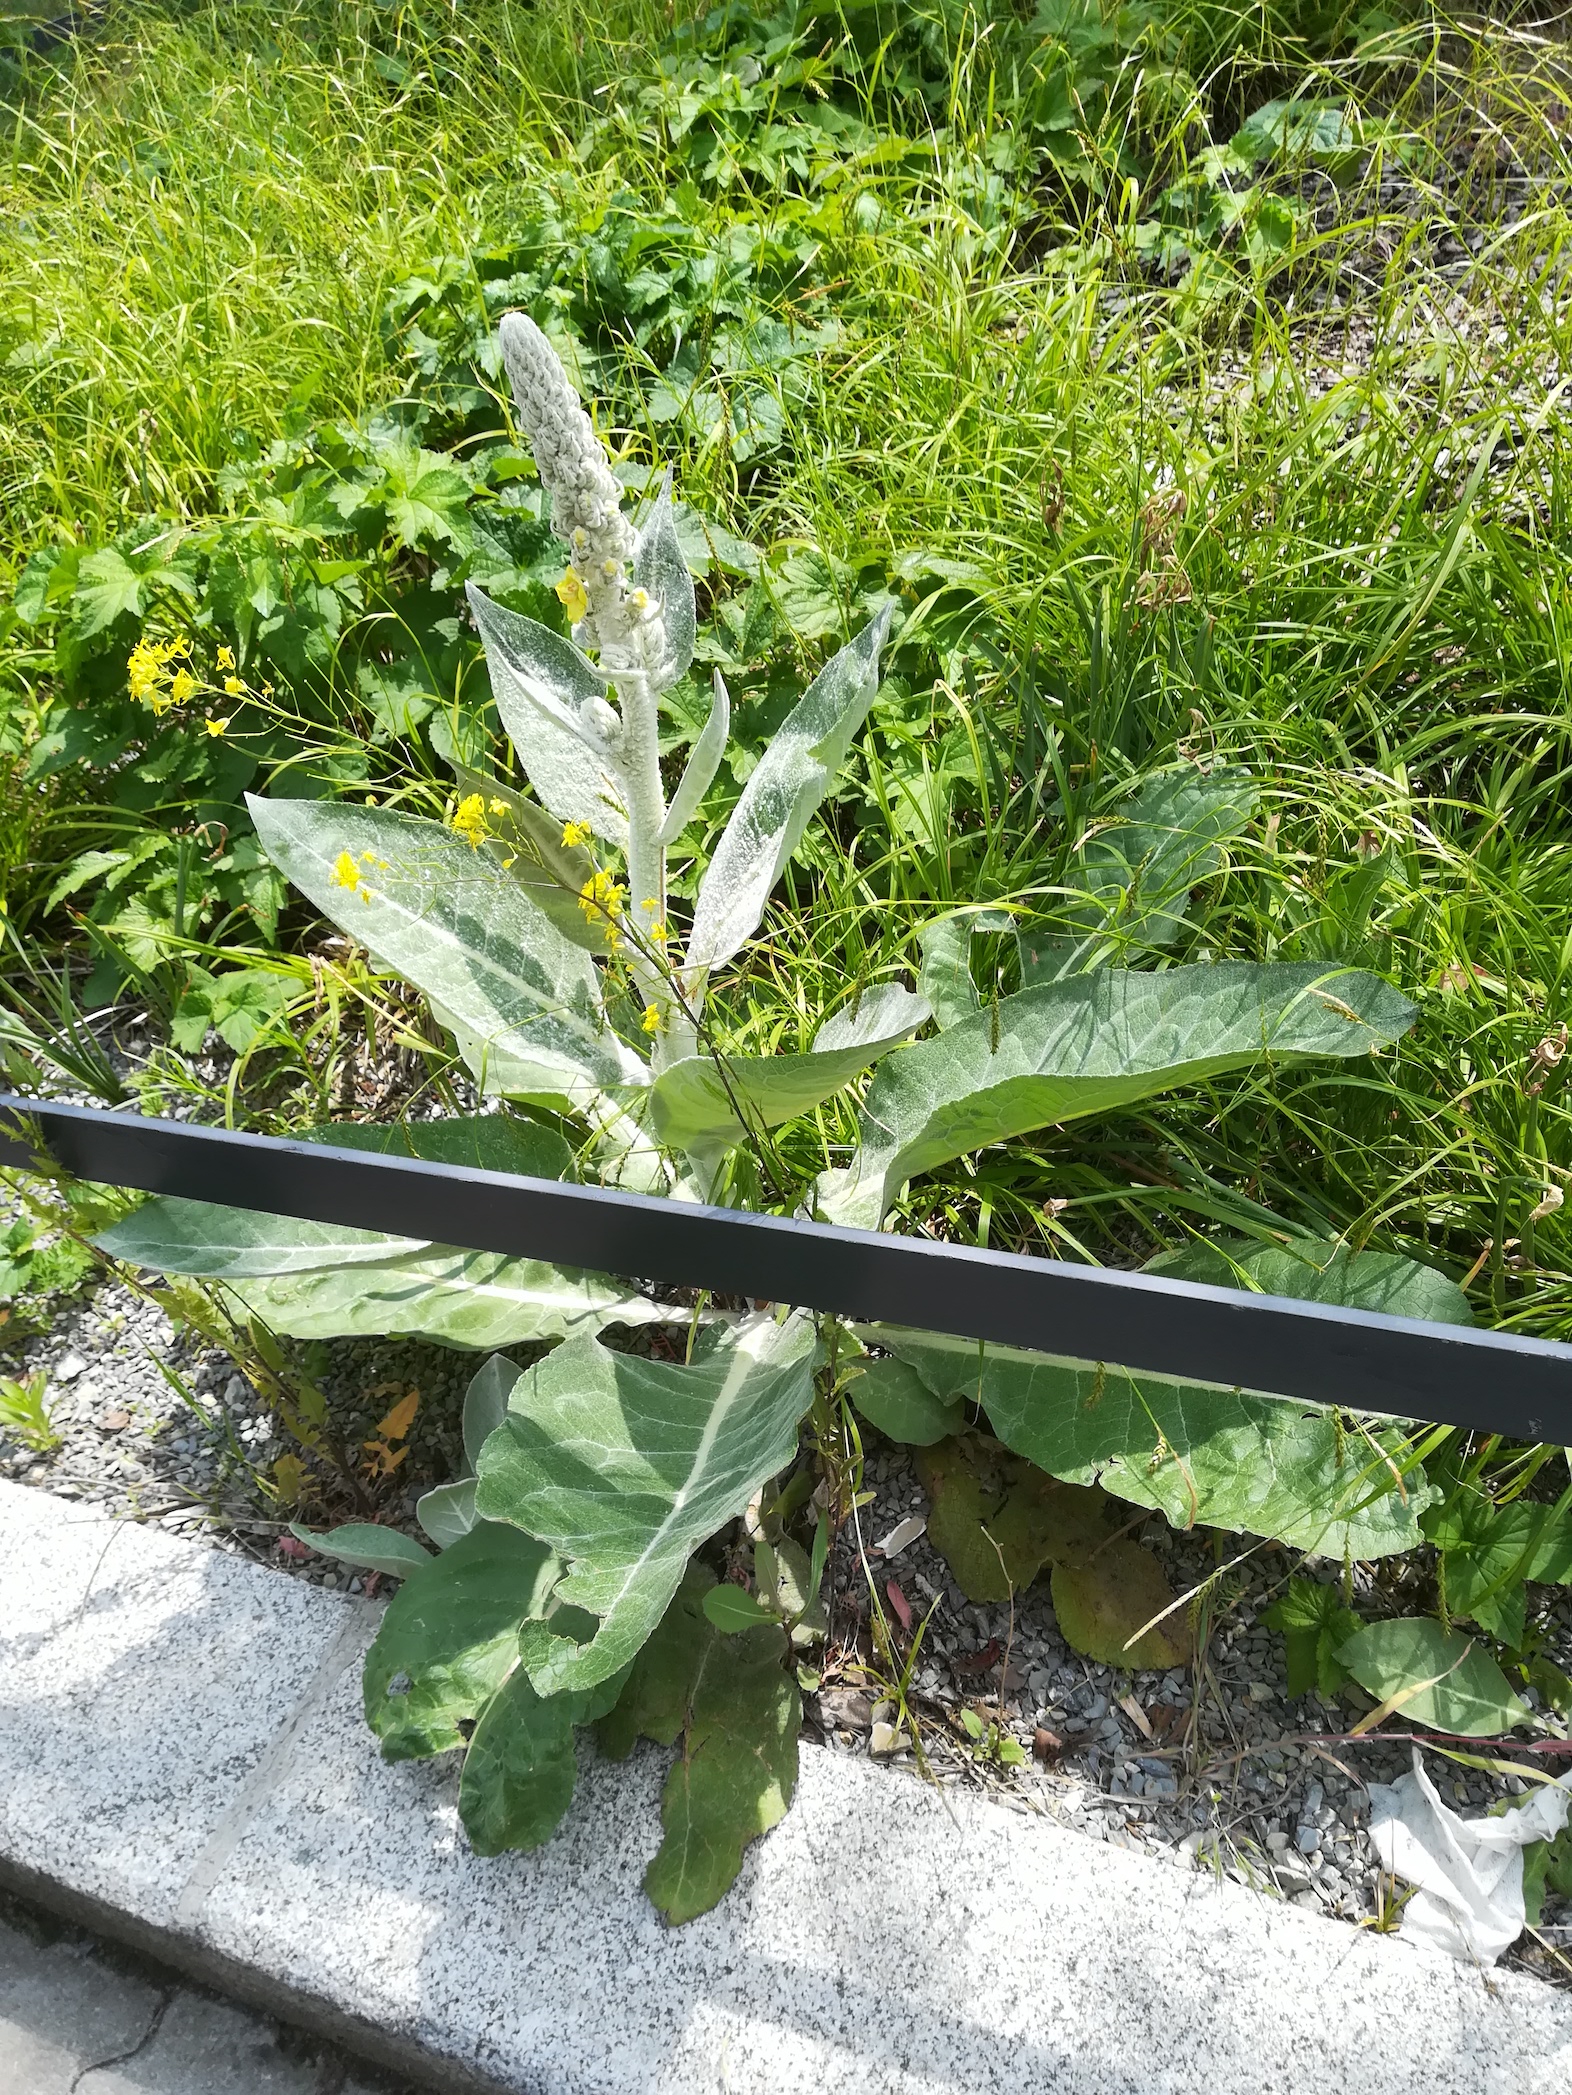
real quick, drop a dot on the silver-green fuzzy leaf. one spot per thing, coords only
(1095, 1044)
(218, 1243)
(693, 1103)
(1200, 1455)
(541, 684)
(477, 1299)
(659, 568)
(624, 1466)
(778, 801)
(449, 919)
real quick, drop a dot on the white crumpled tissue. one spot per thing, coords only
(1467, 1873)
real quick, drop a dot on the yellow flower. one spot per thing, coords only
(601, 896)
(496, 807)
(216, 727)
(571, 594)
(233, 686)
(345, 872)
(576, 833)
(469, 820)
(226, 659)
(651, 1019)
(184, 686)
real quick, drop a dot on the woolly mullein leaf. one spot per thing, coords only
(1095, 1043)
(660, 569)
(693, 1103)
(542, 685)
(448, 918)
(625, 1465)
(777, 803)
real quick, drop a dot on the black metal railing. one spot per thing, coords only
(1494, 1381)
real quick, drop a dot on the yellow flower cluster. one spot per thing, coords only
(601, 896)
(576, 833)
(155, 682)
(148, 673)
(469, 818)
(651, 1019)
(347, 873)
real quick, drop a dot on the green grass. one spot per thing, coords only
(1315, 521)
(202, 209)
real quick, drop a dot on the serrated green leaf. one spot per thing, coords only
(1096, 1043)
(522, 1000)
(892, 1396)
(737, 1711)
(450, 1638)
(1313, 1623)
(777, 803)
(1104, 1600)
(1457, 1685)
(996, 1520)
(626, 1465)
(368, 1547)
(692, 1104)
(541, 684)
(476, 1299)
(1199, 1455)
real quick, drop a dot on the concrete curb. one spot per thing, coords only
(183, 1765)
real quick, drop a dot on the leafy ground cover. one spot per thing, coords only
(1182, 390)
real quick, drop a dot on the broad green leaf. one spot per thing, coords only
(946, 980)
(450, 1638)
(477, 1299)
(732, 1611)
(996, 1520)
(659, 568)
(1096, 1043)
(449, 919)
(476, 1141)
(1310, 1269)
(893, 1397)
(527, 843)
(736, 1709)
(1459, 1686)
(1136, 873)
(1107, 1599)
(1313, 1623)
(693, 1104)
(447, 1512)
(368, 1548)
(626, 1465)
(486, 1404)
(520, 1768)
(778, 801)
(702, 765)
(542, 685)
(1488, 1551)
(218, 1243)
(1202, 1456)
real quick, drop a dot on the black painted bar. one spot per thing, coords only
(1493, 1381)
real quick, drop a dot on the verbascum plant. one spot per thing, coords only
(576, 1580)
